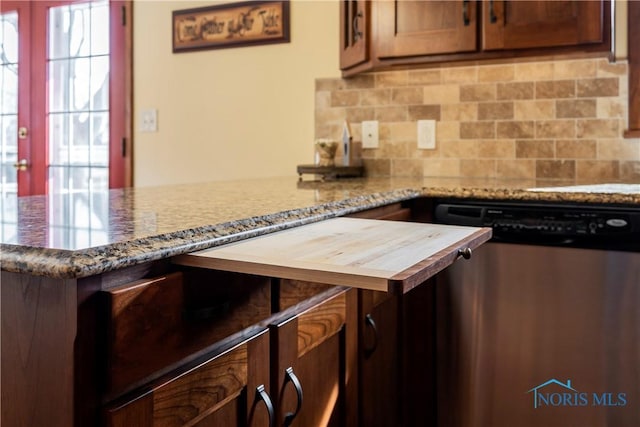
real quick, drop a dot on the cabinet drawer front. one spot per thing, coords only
(201, 391)
(204, 394)
(156, 322)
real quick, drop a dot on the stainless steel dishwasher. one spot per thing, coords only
(541, 327)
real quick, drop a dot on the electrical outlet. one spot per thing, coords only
(149, 120)
(427, 134)
(370, 134)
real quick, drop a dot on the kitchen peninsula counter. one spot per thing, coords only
(96, 310)
(79, 235)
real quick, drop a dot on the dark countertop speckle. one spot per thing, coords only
(78, 235)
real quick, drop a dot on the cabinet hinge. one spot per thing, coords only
(124, 147)
(123, 14)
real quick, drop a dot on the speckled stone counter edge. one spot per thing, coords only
(65, 264)
(82, 263)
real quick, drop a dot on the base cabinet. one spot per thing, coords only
(166, 345)
(296, 371)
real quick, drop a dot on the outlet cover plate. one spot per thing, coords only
(149, 120)
(427, 134)
(370, 134)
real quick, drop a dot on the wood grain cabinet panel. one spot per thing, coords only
(354, 32)
(417, 32)
(634, 69)
(313, 356)
(537, 24)
(221, 391)
(292, 292)
(379, 358)
(153, 323)
(410, 28)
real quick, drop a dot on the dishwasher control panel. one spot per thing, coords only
(540, 223)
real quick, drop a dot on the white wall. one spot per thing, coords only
(231, 113)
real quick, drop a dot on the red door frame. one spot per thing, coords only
(120, 94)
(33, 104)
(25, 178)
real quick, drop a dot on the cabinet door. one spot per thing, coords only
(379, 359)
(313, 362)
(230, 389)
(411, 28)
(535, 24)
(354, 32)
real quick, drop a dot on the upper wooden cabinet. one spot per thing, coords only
(354, 32)
(634, 70)
(535, 24)
(410, 28)
(405, 32)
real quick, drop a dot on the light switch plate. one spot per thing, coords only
(370, 134)
(149, 120)
(427, 134)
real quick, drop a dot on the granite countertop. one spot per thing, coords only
(80, 234)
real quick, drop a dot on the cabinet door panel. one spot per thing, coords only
(537, 24)
(314, 345)
(320, 372)
(354, 32)
(411, 28)
(379, 360)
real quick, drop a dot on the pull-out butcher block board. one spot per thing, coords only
(364, 253)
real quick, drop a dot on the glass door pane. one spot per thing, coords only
(78, 111)
(8, 123)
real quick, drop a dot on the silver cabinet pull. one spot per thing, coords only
(464, 253)
(289, 376)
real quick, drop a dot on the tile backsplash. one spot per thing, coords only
(559, 119)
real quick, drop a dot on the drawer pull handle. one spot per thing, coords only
(369, 322)
(465, 13)
(261, 394)
(464, 253)
(357, 34)
(289, 376)
(492, 13)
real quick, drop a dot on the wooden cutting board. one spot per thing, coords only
(364, 253)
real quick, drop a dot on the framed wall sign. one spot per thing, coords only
(231, 25)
